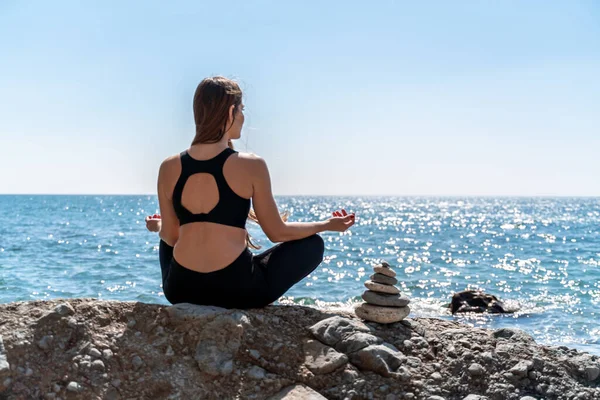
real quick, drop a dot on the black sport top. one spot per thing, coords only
(231, 210)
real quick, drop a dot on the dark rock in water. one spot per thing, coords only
(478, 302)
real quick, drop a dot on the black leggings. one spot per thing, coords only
(251, 281)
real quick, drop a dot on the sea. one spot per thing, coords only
(540, 254)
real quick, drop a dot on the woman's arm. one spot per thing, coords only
(169, 226)
(268, 216)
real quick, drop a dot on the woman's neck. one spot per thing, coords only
(207, 150)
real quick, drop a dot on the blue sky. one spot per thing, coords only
(342, 97)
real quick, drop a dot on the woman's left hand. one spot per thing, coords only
(153, 223)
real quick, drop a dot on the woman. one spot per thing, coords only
(204, 195)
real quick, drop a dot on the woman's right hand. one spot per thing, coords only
(341, 221)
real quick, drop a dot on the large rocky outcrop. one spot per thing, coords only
(90, 349)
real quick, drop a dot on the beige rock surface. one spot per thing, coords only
(89, 349)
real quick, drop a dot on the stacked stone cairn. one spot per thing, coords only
(383, 301)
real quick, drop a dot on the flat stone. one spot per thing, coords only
(385, 264)
(297, 392)
(381, 314)
(322, 359)
(384, 271)
(381, 299)
(332, 330)
(381, 278)
(381, 288)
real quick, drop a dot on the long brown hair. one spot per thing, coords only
(213, 98)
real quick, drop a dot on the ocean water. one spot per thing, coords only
(542, 253)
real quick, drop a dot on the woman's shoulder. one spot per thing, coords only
(250, 158)
(170, 165)
(251, 162)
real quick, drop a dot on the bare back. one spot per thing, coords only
(205, 246)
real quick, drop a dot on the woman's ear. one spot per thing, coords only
(231, 116)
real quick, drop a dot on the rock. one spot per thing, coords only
(514, 335)
(297, 392)
(527, 398)
(380, 288)
(476, 370)
(322, 359)
(435, 398)
(356, 341)
(98, 365)
(169, 352)
(592, 372)
(381, 278)
(45, 342)
(183, 312)
(256, 372)
(73, 387)
(254, 354)
(383, 359)
(137, 362)
(381, 314)
(218, 344)
(520, 370)
(477, 301)
(4, 365)
(381, 299)
(475, 397)
(95, 353)
(333, 329)
(437, 364)
(385, 271)
(64, 309)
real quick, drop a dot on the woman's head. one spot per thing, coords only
(218, 110)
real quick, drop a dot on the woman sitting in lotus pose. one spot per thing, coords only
(204, 195)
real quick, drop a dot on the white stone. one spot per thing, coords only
(383, 315)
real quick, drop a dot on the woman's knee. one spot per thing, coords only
(316, 247)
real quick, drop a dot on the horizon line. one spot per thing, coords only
(329, 195)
